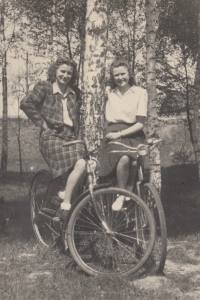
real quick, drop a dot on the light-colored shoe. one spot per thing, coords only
(118, 204)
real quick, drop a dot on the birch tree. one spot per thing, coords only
(94, 70)
(4, 153)
(153, 132)
(196, 143)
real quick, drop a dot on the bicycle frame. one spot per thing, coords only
(141, 151)
(92, 179)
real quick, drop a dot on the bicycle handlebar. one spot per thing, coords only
(150, 142)
(120, 144)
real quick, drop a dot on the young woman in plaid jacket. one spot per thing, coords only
(54, 106)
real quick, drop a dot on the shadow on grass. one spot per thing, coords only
(16, 178)
(16, 221)
(180, 194)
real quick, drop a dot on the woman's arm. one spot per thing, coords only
(132, 129)
(32, 103)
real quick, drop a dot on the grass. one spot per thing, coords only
(29, 272)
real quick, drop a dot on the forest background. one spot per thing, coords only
(34, 33)
(160, 39)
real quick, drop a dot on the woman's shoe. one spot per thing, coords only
(56, 200)
(62, 213)
(118, 204)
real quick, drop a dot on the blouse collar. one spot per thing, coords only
(56, 90)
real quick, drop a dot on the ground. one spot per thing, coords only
(29, 272)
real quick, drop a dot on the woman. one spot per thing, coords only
(126, 110)
(53, 105)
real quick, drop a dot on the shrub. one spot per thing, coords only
(181, 155)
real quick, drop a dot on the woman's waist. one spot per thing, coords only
(118, 126)
(61, 127)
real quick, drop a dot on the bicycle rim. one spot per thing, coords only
(45, 229)
(121, 244)
(157, 259)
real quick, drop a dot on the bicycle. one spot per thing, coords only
(101, 241)
(149, 194)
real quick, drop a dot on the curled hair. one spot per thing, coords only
(62, 61)
(118, 63)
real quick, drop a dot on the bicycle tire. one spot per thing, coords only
(123, 250)
(151, 197)
(47, 231)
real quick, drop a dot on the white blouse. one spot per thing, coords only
(125, 108)
(66, 118)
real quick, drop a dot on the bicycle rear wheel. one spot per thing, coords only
(157, 259)
(43, 210)
(120, 244)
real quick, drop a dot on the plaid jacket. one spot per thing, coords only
(42, 105)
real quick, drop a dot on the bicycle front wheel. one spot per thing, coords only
(118, 244)
(158, 257)
(43, 210)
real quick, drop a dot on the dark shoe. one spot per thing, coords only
(56, 200)
(62, 213)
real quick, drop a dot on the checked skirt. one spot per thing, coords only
(59, 157)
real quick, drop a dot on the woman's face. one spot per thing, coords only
(121, 76)
(64, 74)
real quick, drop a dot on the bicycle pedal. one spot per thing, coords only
(55, 202)
(56, 219)
(124, 209)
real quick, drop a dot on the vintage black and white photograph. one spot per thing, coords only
(99, 149)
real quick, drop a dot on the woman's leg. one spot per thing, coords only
(132, 175)
(122, 171)
(122, 174)
(72, 182)
(126, 173)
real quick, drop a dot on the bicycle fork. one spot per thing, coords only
(139, 180)
(91, 177)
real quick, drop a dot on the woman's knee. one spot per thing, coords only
(124, 161)
(80, 165)
(134, 163)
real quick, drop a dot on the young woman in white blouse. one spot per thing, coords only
(126, 111)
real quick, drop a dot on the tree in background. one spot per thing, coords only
(196, 143)
(54, 27)
(94, 71)
(4, 153)
(178, 33)
(153, 131)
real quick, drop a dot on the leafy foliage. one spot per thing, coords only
(181, 155)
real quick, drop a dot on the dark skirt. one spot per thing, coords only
(108, 161)
(59, 157)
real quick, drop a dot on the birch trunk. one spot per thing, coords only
(196, 144)
(4, 153)
(155, 166)
(94, 71)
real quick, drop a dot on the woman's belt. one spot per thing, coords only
(61, 128)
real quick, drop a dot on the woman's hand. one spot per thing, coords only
(113, 135)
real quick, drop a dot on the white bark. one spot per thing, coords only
(94, 71)
(153, 128)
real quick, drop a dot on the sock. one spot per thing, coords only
(65, 206)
